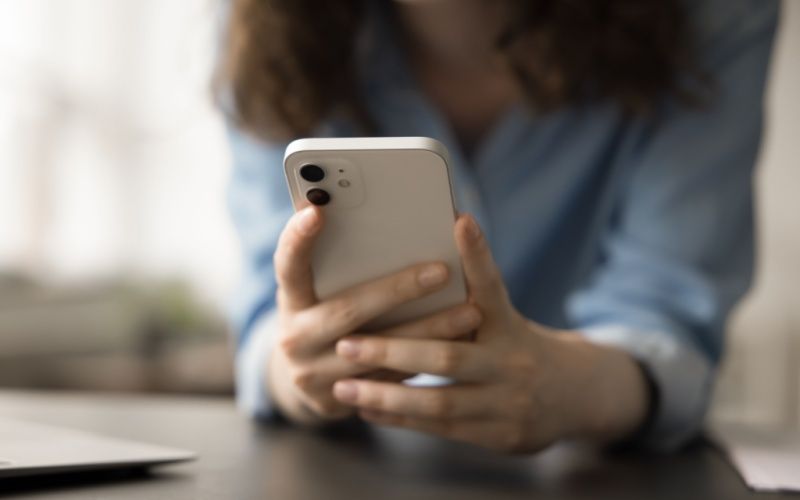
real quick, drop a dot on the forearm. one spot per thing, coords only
(607, 398)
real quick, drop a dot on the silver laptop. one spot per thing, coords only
(28, 448)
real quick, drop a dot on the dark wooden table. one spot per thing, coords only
(242, 460)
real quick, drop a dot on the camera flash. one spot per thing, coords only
(344, 183)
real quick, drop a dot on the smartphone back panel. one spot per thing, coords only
(391, 205)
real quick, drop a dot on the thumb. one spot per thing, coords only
(292, 258)
(484, 281)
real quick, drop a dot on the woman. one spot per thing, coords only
(604, 150)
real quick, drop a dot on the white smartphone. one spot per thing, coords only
(388, 203)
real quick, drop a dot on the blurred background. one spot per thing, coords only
(116, 255)
(117, 259)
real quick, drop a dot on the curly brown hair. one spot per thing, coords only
(287, 65)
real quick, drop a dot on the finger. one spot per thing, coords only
(321, 373)
(495, 435)
(313, 385)
(463, 401)
(349, 310)
(292, 259)
(453, 323)
(460, 360)
(324, 405)
(484, 281)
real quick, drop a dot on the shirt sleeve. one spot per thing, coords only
(260, 205)
(679, 253)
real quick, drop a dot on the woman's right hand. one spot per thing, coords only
(304, 365)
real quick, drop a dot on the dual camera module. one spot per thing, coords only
(313, 173)
(334, 182)
(335, 178)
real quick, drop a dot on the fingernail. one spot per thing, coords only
(466, 319)
(432, 275)
(348, 348)
(345, 391)
(308, 223)
(473, 230)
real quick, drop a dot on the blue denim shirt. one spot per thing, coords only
(637, 233)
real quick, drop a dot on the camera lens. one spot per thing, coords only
(318, 196)
(312, 173)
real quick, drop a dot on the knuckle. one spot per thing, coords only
(440, 405)
(372, 399)
(435, 327)
(375, 351)
(448, 359)
(494, 282)
(303, 380)
(460, 321)
(520, 365)
(345, 312)
(290, 345)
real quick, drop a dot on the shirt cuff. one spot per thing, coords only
(252, 396)
(681, 372)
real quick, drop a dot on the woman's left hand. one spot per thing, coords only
(519, 386)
